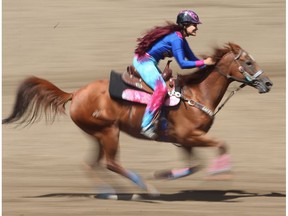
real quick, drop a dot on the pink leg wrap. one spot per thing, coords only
(220, 164)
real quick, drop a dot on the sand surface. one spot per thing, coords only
(71, 43)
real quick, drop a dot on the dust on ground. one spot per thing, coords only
(71, 43)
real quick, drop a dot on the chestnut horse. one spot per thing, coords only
(95, 112)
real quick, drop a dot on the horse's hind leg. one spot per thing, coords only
(95, 171)
(95, 155)
(109, 140)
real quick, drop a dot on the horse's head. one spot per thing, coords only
(244, 69)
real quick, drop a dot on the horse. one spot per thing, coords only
(103, 117)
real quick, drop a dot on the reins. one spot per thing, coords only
(208, 111)
(229, 97)
(205, 109)
(249, 79)
(244, 82)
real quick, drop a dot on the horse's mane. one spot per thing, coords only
(200, 74)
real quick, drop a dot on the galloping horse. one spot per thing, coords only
(95, 112)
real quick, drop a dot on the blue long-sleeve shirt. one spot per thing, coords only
(174, 45)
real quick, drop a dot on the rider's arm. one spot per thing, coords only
(179, 55)
(188, 52)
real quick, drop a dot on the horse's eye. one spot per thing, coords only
(249, 63)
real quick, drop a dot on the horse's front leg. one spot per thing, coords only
(223, 161)
(191, 167)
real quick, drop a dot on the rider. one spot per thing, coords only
(158, 43)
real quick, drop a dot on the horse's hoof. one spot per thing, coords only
(118, 196)
(152, 191)
(106, 196)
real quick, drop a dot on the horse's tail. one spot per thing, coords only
(36, 96)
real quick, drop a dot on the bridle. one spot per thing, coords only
(249, 79)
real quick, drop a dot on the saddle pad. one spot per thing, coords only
(144, 97)
(120, 90)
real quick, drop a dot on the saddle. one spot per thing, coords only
(132, 77)
(129, 86)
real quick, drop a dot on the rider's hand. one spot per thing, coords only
(209, 61)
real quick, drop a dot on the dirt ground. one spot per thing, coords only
(71, 43)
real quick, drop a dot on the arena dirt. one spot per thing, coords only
(71, 43)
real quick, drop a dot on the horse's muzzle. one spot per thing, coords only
(263, 84)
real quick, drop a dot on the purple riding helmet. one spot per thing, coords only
(185, 17)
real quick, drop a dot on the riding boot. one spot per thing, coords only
(152, 109)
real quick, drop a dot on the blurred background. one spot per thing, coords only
(72, 43)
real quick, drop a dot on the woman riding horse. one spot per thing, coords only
(94, 111)
(158, 43)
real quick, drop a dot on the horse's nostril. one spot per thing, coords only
(269, 84)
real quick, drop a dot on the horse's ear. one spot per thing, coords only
(234, 47)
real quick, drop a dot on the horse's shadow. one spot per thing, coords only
(187, 195)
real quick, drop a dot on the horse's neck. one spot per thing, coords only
(211, 90)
